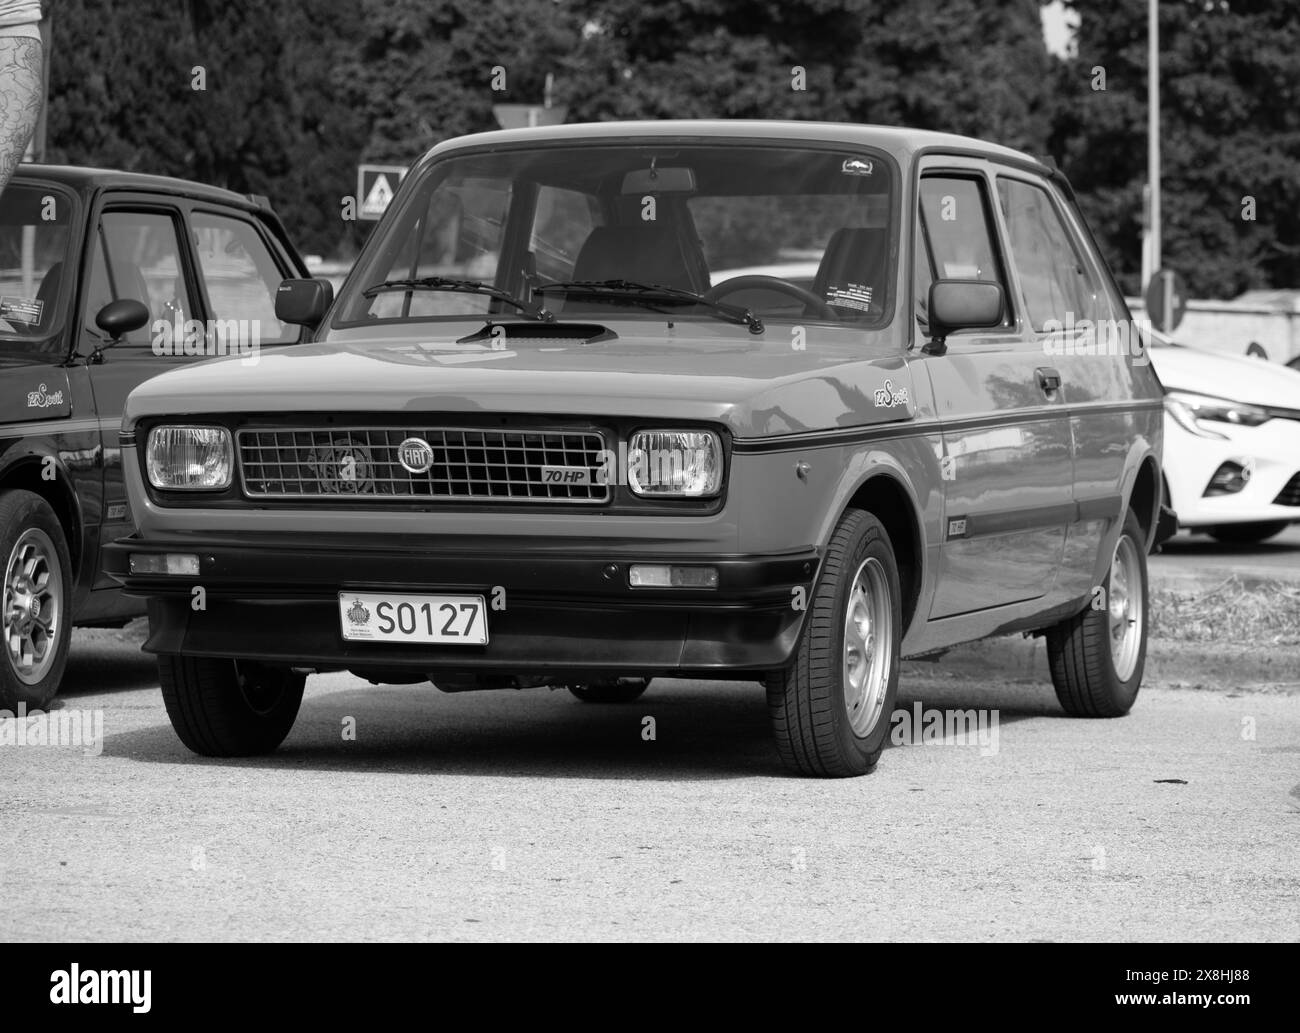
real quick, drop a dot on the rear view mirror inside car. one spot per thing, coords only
(670, 180)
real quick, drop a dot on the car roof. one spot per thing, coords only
(85, 180)
(898, 140)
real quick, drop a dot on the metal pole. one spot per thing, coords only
(1153, 129)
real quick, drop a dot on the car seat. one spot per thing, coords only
(851, 276)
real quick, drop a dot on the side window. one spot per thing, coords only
(241, 278)
(958, 227)
(137, 255)
(562, 221)
(1057, 284)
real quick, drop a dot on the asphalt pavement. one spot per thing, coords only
(1188, 557)
(528, 815)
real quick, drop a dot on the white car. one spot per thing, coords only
(1232, 441)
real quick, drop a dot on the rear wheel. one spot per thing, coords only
(611, 690)
(1097, 656)
(830, 709)
(1248, 534)
(35, 601)
(229, 708)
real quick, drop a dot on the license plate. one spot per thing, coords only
(456, 620)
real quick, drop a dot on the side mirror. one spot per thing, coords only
(119, 318)
(961, 305)
(303, 302)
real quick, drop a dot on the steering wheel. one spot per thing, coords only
(813, 305)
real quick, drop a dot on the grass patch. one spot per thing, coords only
(1263, 613)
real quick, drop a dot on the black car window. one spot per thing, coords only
(958, 227)
(241, 277)
(137, 255)
(35, 226)
(1055, 280)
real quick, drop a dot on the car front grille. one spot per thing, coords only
(1290, 493)
(468, 464)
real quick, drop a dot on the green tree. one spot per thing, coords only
(242, 94)
(1230, 132)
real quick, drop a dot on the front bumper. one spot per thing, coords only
(565, 612)
(1272, 451)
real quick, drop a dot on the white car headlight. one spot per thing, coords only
(190, 458)
(1218, 410)
(674, 463)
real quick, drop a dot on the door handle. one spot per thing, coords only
(1048, 379)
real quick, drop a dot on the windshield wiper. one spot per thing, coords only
(443, 283)
(651, 293)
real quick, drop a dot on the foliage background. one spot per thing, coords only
(299, 91)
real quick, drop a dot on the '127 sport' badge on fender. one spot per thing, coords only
(889, 396)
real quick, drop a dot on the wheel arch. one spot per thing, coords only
(1145, 495)
(885, 493)
(23, 467)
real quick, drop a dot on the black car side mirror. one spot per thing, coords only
(117, 319)
(303, 302)
(961, 305)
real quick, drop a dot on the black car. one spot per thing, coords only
(106, 279)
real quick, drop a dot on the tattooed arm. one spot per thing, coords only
(20, 99)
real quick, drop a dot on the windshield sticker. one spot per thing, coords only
(857, 167)
(23, 310)
(40, 399)
(851, 295)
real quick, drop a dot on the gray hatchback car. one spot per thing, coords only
(542, 437)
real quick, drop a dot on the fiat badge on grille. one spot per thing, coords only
(415, 455)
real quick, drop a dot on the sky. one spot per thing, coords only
(1058, 28)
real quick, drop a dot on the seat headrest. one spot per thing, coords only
(647, 252)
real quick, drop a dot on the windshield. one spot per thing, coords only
(583, 232)
(35, 224)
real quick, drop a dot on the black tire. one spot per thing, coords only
(1248, 534)
(229, 708)
(1081, 651)
(35, 611)
(613, 690)
(814, 726)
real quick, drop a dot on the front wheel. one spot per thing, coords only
(1097, 656)
(35, 601)
(229, 708)
(831, 708)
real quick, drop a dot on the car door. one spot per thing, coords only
(1006, 464)
(1087, 338)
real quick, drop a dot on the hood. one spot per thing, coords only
(754, 385)
(1237, 378)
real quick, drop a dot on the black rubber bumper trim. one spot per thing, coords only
(561, 612)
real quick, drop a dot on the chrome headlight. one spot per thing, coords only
(190, 458)
(674, 463)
